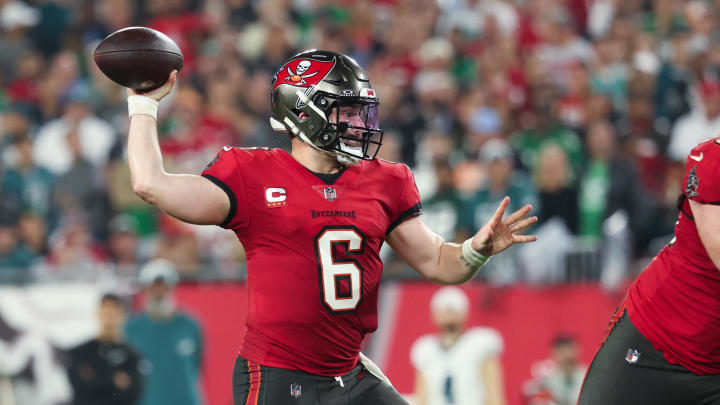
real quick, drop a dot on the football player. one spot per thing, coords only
(312, 222)
(457, 365)
(663, 343)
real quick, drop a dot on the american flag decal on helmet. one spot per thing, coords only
(370, 93)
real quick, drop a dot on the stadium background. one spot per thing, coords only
(586, 108)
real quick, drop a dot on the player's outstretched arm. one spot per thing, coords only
(707, 220)
(448, 263)
(189, 198)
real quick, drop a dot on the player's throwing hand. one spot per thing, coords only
(497, 235)
(159, 93)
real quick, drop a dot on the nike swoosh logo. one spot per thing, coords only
(697, 158)
(229, 148)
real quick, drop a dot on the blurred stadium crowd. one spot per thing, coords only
(584, 108)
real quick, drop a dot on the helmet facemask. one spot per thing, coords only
(351, 132)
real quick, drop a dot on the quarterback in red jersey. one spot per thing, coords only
(663, 346)
(312, 222)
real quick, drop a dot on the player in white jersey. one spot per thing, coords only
(457, 366)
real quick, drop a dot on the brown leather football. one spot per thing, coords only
(138, 57)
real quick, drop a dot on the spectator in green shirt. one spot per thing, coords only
(502, 180)
(170, 341)
(442, 209)
(545, 128)
(15, 257)
(608, 184)
(26, 182)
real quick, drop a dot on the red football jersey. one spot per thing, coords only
(312, 253)
(675, 302)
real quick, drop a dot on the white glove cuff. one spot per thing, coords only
(142, 105)
(472, 256)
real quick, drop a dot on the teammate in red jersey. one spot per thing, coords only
(663, 346)
(312, 223)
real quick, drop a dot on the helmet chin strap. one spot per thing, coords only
(342, 158)
(345, 158)
(305, 139)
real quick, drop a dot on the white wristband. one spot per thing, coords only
(472, 256)
(142, 105)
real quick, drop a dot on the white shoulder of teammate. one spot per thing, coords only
(484, 341)
(423, 349)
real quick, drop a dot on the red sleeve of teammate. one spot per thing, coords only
(407, 201)
(701, 182)
(224, 172)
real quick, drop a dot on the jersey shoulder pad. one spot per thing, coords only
(394, 170)
(701, 182)
(251, 154)
(711, 148)
(250, 157)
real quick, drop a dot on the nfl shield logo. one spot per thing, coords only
(632, 356)
(692, 183)
(295, 390)
(330, 194)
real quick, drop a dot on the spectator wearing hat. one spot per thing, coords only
(26, 182)
(123, 246)
(16, 19)
(106, 370)
(169, 339)
(456, 365)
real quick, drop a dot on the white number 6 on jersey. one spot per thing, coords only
(333, 270)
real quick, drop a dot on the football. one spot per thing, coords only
(138, 57)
